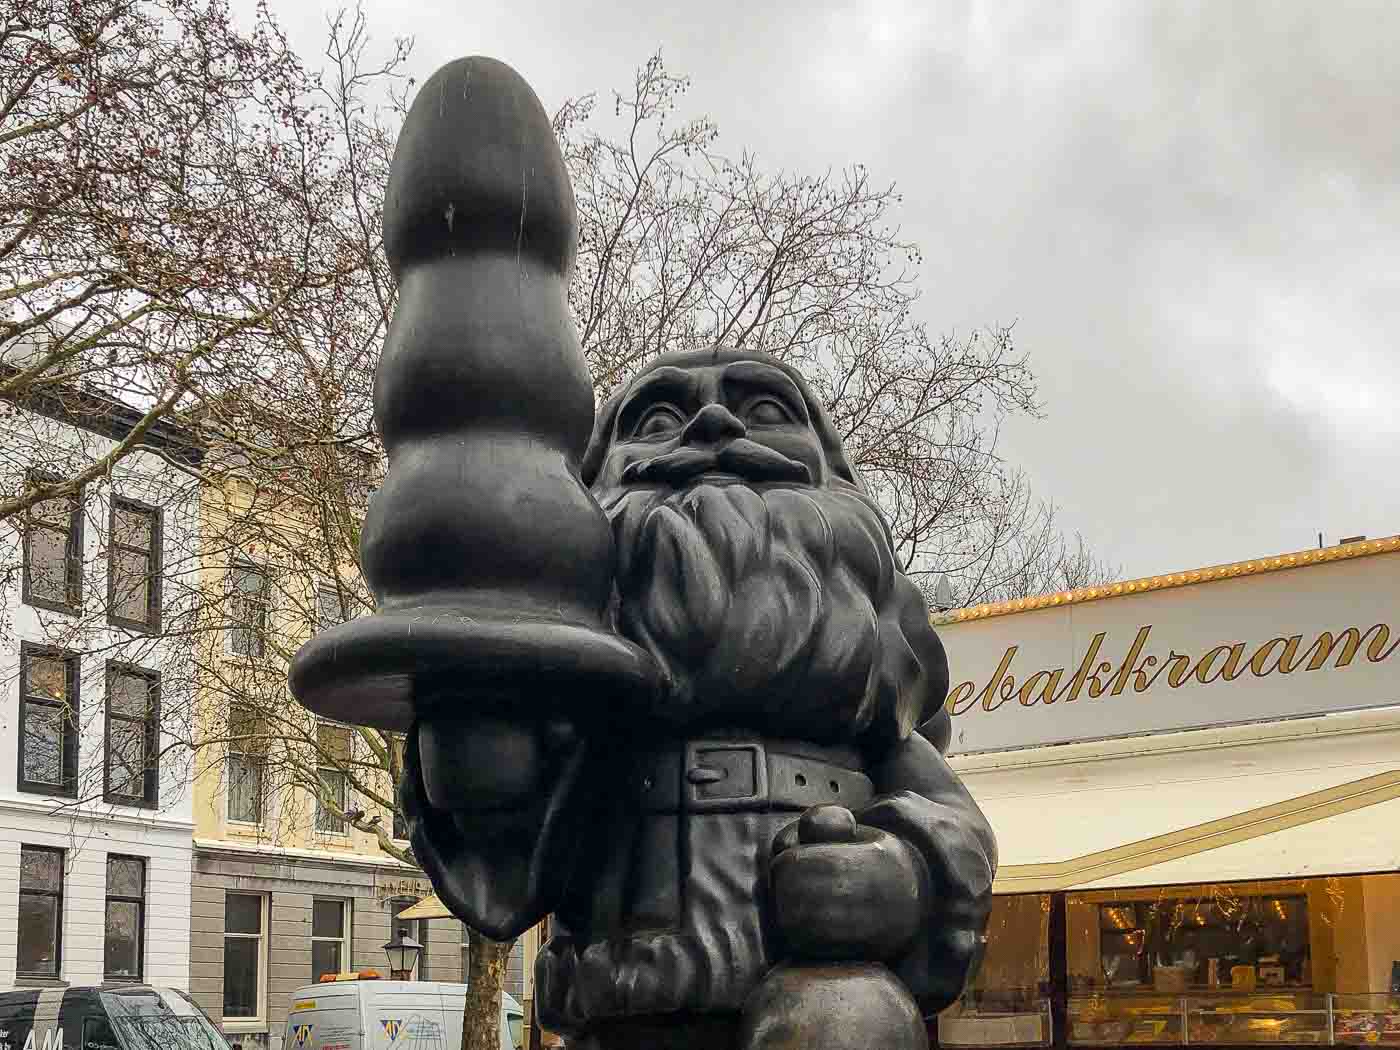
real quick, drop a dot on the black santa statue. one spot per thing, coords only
(704, 727)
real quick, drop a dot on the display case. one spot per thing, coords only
(1367, 1019)
(1297, 1017)
(1111, 1020)
(999, 1021)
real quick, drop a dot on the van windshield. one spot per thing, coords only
(153, 1020)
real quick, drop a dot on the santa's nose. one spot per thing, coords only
(711, 424)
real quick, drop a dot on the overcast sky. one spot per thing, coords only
(1190, 211)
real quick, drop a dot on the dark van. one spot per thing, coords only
(110, 1017)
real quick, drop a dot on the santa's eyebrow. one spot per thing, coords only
(773, 380)
(667, 383)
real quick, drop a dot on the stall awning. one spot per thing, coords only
(1296, 801)
(428, 908)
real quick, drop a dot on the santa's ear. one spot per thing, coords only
(598, 444)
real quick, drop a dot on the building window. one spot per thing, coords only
(40, 940)
(332, 756)
(328, 611)
(248, 592)
(245, 924)
(126, 918)
(133, 566)
(48, 740)
(132, 773)
(53, 553)
(247, 751)
(330, 937)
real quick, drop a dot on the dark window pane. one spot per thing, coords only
(131, 585)
(334, 742)
(130, 695)
(333, 788)
(242, 913)
(247, 729)
(328, 919)
(325, 958)
(38, 935)
(245, 788)
(249, 611)
(47, 677)
(328, 608)
(132, 527)
(248, 581)
(241, 976)
(56, 511)
(127, 772)
(48, 564)
(40, 869)
(126, 877)
(400, 826)
(123, 939)
(43, 744)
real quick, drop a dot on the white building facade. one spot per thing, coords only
(95, 807)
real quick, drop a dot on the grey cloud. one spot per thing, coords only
(1190, 209)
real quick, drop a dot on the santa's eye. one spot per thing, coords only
(659, 421)
(766, 411)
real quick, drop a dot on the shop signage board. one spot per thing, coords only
(1252, 646)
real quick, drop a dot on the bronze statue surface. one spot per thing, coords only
(667, 683)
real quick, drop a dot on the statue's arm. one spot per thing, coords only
(500, 861)
(920, 801)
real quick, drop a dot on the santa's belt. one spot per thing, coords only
(744, 775)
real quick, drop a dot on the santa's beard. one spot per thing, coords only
(770, 608)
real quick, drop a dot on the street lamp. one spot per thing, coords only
(402, 951)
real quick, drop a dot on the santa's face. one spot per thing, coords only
(736, 422)
(762, 583)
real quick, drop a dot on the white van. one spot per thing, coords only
(371, 1014)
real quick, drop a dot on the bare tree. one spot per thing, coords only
(682, 248)
(191, 227)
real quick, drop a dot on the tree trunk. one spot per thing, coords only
(486, 975)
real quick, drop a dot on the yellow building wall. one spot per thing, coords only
(289, 817)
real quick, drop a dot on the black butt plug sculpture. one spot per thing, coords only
(489, 561)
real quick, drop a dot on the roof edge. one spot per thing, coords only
(1187, 578)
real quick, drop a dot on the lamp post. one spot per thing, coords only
(402, 951)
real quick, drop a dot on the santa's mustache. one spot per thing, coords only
(745, 458)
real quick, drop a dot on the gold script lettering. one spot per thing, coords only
(1051, 679)
(1224, 662)
(958, 695)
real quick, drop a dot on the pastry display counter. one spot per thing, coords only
(1223, 1019)
(1005, 1021)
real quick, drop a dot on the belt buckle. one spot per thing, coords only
(722, 774)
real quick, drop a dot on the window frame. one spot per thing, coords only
(325, 588)
(344, 940)
(72, 731)
(336, 827)
(236, 597)
(154, 599)
(150, 795)
(58, 894)
(73, 567)
(140, 902)
(259, 1017)
(246, 756)
(333, 825)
